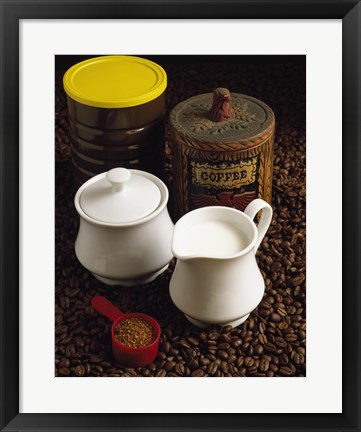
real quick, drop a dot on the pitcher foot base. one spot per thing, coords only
(202, 324)
(131, 282)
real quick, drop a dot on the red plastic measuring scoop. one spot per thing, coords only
(128, 356)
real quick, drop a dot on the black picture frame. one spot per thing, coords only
(14, 10)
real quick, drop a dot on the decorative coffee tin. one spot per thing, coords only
(222, 151)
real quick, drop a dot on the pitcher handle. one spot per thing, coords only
(252, 209)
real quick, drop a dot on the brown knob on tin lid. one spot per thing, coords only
(221, 109)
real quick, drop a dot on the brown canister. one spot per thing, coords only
(116, 108)
(222, 151)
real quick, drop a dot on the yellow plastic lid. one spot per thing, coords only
(115, 81)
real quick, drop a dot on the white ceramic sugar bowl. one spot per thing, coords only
(125, 231)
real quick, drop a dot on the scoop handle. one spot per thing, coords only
(106, 308)
(252, 209)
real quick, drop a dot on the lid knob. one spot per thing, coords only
(221, 109)
(118, 177)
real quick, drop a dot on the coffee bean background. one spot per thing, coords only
(272, 342)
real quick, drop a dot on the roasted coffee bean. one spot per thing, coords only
(169, 365)
(248, 361)
(275, 360)
(69, 350)
(298, 280)
(222, 354)
(262, 338)
(244, 346)
(283, 325)
(284, 370)
(174, 352)
(301, 350)
(64, 371)
(172, 374)
(252, 370)
(284, 359)
(270, 347)
(60, 329)
(231, 359)
(192, 364)
(165, 347)
(291, 337)
(291, 310)
(160, 363)
(276, 266)
(193, 341)
(302, 334)
(240, 361)
(223, 346)
(64, 363)
(205, 361)
(298, 358)
(262, 327)
(264, 312)
(231, 351)
(185, 344)
(225, 338)
(265, 305)
(249, 350)
(161, 373)
(251, 323)
(212, 368)
(236, 342)
(96, 358)
(275, 317)
(280, 342)
(224, 366)
(180, 369)
(79, 370)
(152, 367)
(189, 352)
(264, 365)
(161, 355)
(64, 302)
(273, 367)
(197, 373)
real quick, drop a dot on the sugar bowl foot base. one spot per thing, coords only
(131, 282)
(202, 324)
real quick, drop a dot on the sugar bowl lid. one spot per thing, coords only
(120, 196)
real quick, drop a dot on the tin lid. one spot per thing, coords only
(115, 81)
(223, 118)
(120, 196)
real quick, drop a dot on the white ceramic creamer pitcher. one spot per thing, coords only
(216, 279)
